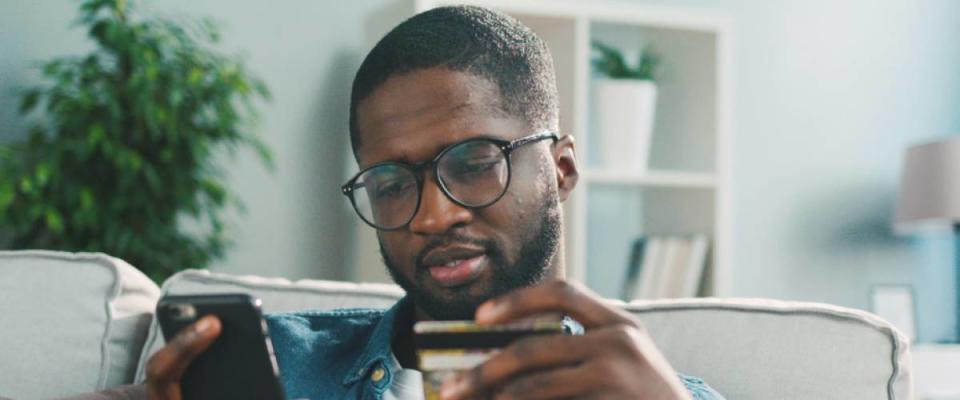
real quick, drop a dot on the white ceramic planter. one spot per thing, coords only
(623, 111)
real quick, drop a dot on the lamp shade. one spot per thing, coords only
(929, 196)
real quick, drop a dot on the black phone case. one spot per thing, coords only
(240, 363)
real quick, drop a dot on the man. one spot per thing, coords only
(454, 124)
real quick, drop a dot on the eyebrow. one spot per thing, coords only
(404, 157)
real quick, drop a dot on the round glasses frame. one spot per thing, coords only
(506, 147)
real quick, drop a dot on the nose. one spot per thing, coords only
(437, 213)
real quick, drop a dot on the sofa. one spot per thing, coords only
(72, 323)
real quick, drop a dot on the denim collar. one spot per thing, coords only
(378, 349)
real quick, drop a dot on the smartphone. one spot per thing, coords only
(240, 363)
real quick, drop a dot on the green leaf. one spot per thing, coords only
(194, 76)
(262, 89)
(96, 135)
(42, 174)
(120, 6)
(26, 185)
(214, 191)
(99, 31)
(7, 195)
(153, 180)
(53, 220)
(263, 152)
(35, 212)
(86, 199)
(29, 101)
(134, 161)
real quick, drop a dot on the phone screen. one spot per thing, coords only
(240, 363)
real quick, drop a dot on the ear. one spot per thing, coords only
(565, 159)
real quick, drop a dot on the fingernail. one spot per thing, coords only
(488, 310)
(452, 388)
(202, 325)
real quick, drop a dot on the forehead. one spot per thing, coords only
(411, 117)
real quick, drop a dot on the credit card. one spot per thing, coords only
(446, 347)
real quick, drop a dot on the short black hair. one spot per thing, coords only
(468, 39)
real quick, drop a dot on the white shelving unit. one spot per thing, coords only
(686, 188)
(674, 179)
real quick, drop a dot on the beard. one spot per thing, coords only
(539, 245)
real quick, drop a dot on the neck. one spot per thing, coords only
(402, 343)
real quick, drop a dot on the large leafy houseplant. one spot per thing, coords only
(124, 160)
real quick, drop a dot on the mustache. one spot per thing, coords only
(446, 240)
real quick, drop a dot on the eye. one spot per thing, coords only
(478, 166)
(392, 189)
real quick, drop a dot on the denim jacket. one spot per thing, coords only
(346, 353)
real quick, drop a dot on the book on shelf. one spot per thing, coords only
(665, 266)
(633, 268)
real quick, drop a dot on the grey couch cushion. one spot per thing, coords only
(71, 322)
(766, 349)
(277, 294)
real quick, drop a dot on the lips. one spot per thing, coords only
(455, 266)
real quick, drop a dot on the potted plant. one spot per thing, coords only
(123, 162)
(624, 107)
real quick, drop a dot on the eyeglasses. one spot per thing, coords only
(474, 173)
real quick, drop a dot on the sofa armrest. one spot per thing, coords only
(768, 349)
(72, 322)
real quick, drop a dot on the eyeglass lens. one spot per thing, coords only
(474, 174)
(385, 195)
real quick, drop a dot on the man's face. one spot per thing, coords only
(450, 258)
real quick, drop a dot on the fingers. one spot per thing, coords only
(554, 296)
(614, 357)
(559, 383)
(532, 353)
(167, 365)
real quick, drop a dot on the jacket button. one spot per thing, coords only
(378, 374)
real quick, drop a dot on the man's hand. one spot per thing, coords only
(167, 365)
(614, 359)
